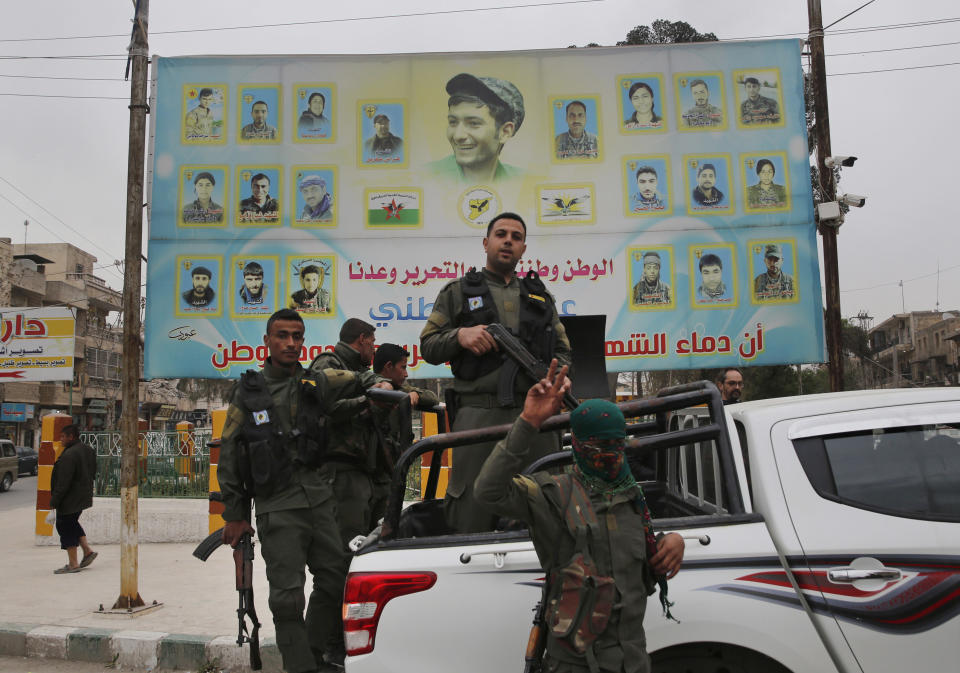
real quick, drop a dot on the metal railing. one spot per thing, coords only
(169, 464)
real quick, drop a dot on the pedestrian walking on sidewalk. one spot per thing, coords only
(71, 492)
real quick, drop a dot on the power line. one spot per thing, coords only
(83, 79)
(848, 31)
(881, 51)
(849, 14)
(908, 280)
(41, 207)
(913, 67)
(81, 57)
(44, 95)
(312, 22)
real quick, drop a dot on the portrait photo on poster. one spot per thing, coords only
(713, 274)
(647, 185)
(204, 114)
(642, 103)
(773, 268)
(310, 285)
(314, 196)
(199, 281)
(259, 111)
(651, 278)
(759, 98)
(258, 196)
(576, 129)
(484, 114)
(313, 109)
(700, 101)
(708, 184)
(382, 128)
(766, 183)
(253, 292)
(203, 191)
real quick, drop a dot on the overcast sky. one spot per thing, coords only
(63, 159)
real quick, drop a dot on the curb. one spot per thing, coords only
(131, 649)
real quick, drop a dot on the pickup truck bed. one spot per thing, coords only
(823, 534)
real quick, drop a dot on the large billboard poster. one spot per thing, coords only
(666, 187)
(36, 344)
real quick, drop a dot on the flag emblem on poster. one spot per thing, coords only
(394, 207)
(566, 204)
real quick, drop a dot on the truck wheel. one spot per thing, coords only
(6, 483)
(713, 658)
(35, 470)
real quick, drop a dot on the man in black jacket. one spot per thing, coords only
(71, 492)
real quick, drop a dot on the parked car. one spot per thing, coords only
(28, 460)
(9, 465)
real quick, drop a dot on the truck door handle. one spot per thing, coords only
(847, 575)
(499, 555)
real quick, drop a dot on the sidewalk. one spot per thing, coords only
(42, 614)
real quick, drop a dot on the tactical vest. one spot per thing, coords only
(535, 328)
(273, 454)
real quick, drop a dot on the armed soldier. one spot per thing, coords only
(353, 449)
(273, 448)
(394, 430)
(455, 332)
(592, 532)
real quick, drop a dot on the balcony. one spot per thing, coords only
(84, 287)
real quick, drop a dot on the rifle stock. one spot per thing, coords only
(521, 358)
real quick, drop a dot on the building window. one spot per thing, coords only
(103, 365)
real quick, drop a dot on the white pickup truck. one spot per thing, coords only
(823, 534)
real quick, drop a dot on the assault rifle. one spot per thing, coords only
(537, 642)
(243, 562)
(519, 358)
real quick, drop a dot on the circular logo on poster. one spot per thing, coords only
(478, 205)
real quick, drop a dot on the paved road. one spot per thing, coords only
(22, 493)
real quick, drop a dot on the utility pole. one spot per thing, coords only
(129, 494)
(828, 186)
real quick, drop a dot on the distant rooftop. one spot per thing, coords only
(36, 259)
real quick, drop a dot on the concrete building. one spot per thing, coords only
(60, 274)
(919, 348)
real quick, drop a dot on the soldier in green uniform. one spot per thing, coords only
(703, 113)
(757, 109)
(774, 284)
(455, 333)
(650, 289)
(353, 441)
(292, 487)
(594, 520)
(394, 433)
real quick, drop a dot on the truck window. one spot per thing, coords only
(695, 474)
(908, 471)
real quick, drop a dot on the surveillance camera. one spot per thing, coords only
(846, 162)
(854, 200)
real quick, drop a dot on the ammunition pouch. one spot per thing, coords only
(581, 607)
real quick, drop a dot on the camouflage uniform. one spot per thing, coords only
(477, 399)
(647, 294)
(766, 288)
(296, 524)
(708, 115)
(352, 450)
(391, 446)
(761, 111)
(617, 546)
